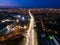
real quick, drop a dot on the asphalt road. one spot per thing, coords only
(30, 33)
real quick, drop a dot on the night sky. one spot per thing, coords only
(29, 3)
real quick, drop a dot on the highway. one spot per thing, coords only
(30, 32)
(56, 42)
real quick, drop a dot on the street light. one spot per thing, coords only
(19, 16)
(25, 27)
(17, 20)
(23, 18)
(50, 37)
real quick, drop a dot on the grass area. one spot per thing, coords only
(17, 41)
(24, 41)
(35, 37)
(38, 31)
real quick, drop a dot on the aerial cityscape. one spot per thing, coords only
(32, 26)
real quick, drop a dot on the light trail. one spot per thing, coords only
(30, 32)
(7, 20)
(56, 42)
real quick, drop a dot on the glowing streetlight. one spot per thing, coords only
(19, 16)
(25, 27)
(50, 37)
(17, 20)
(23, 18)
